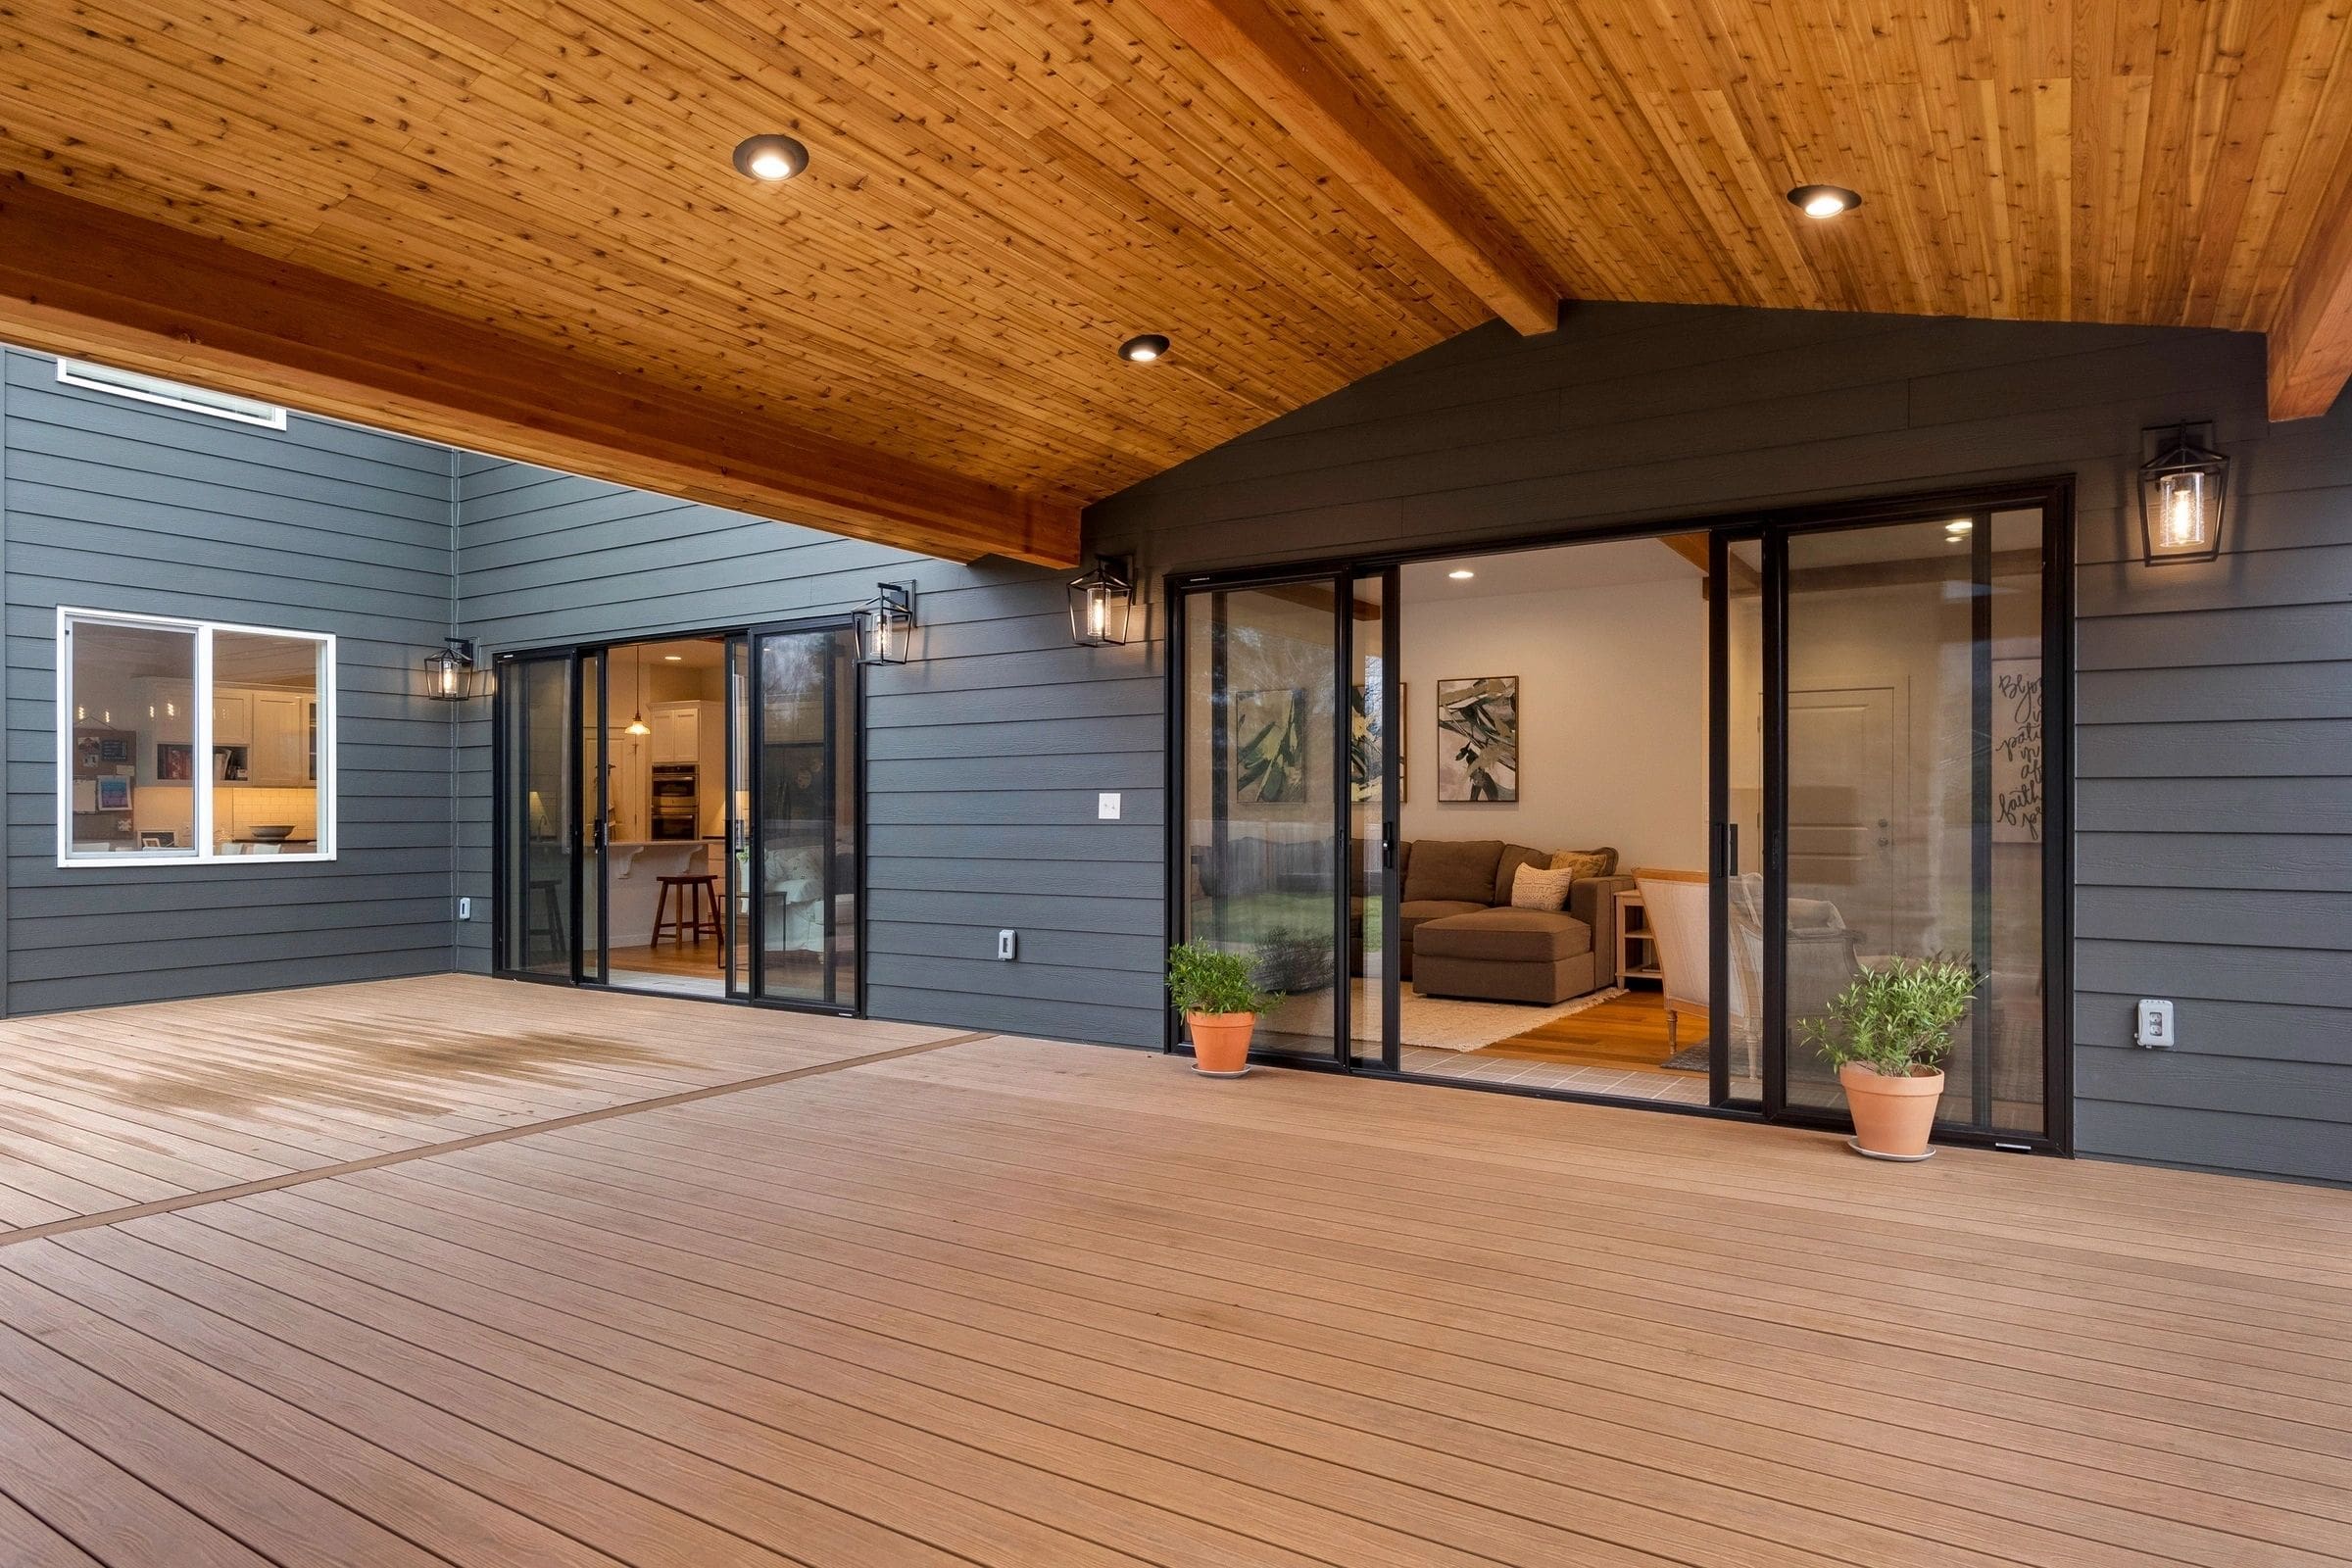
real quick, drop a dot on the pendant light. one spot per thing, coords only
(637, 723)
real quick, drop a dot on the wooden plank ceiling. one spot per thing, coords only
(514, 223)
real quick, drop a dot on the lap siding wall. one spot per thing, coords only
(2214, 704)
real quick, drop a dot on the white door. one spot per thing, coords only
(1845, 790)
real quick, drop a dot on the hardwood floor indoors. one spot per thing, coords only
(1618, 1046)
(1011, 1302)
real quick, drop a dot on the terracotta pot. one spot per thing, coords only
(1892, 1117)
(1221, 1041)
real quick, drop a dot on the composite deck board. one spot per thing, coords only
(1010, 1302)
(142, 1105)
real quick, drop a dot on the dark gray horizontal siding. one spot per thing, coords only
(109, 504)
(983, 756)
(2214, 856)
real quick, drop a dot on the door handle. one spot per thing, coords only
(1730, 849)
(1388, 846)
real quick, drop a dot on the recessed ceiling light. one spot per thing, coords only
(1824, 201)
(673, 658)
(1461, 574)
(772, 157)
(1143, 350)
(1958, 525)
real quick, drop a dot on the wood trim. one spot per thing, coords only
(2310, 339)
(79, 279)
(1316, 103)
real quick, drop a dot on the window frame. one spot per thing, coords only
(203, 853)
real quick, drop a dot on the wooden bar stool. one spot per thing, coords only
(691, 915)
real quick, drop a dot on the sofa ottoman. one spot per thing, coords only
(1504, 955)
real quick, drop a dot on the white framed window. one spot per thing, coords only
(171, 394)
(192, 741)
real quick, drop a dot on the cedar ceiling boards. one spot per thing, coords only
(913, 342)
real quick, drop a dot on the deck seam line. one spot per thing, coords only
(399, 1156)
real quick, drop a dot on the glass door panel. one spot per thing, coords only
(1372, 780)
(1736, 1022)
(804, 876)
(596, 819)
(1912, 803)
(737, 873)
(541, 834)
(1263, 798)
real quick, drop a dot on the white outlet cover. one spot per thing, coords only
(1107, 806)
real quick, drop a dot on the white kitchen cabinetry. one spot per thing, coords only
(281, 738)
(233, 718)
(678, 728)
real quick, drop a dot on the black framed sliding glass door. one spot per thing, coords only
(803, 849)
(1913, 808)
(1265, 814)
(770, 856)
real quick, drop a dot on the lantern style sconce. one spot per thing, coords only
(886, 624)
(449, 674)
(1101, 602)
(2184, 491)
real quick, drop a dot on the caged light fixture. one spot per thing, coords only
(1101, 602)
(449, 676)
(2184, 493)
(886, 624)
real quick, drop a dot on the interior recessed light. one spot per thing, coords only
(1461, 574)
(1824, 201)
(1144, 348)
(1959, 525)
(673, 658)
(772, 158)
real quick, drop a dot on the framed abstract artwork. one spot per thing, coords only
(1269, 753)
(1478, 739)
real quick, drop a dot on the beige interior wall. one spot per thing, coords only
(1612, 717)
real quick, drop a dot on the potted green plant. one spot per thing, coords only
(1887, 1031)
(1220, 1004)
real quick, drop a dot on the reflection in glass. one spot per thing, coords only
(541, 830)
(1368, 731)
(1262, 861)
(128, 690)
(1914, 793)
(807, 824)
(265, 744)
(1740, 1035)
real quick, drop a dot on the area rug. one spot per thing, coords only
(1691, 1058)
(1447, 1023)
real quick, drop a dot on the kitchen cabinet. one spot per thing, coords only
(233, 718)
(281, 738)
(677, 729)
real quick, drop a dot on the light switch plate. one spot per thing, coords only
(465, 909)
(2155, 1032)
(1107, 806)
(1008, 944)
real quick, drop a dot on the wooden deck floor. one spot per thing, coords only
(1010, 1302)
(124, 1107)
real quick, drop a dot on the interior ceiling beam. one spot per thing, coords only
(79, 279)
(1314, 101)
(2310, 341)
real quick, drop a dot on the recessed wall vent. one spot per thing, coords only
(171, 394)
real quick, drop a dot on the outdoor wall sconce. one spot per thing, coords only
(1101, 602)
(2184, 491)
(449, 674)
(886, 624)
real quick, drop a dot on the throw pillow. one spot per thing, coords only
(1585, 864)
(1532, 889)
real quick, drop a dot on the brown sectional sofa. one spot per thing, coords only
(1458, 936)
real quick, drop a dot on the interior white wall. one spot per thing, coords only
(1612, 716)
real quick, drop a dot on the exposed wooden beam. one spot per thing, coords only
(79, 279)
(2310, 341)
(1313, 100)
